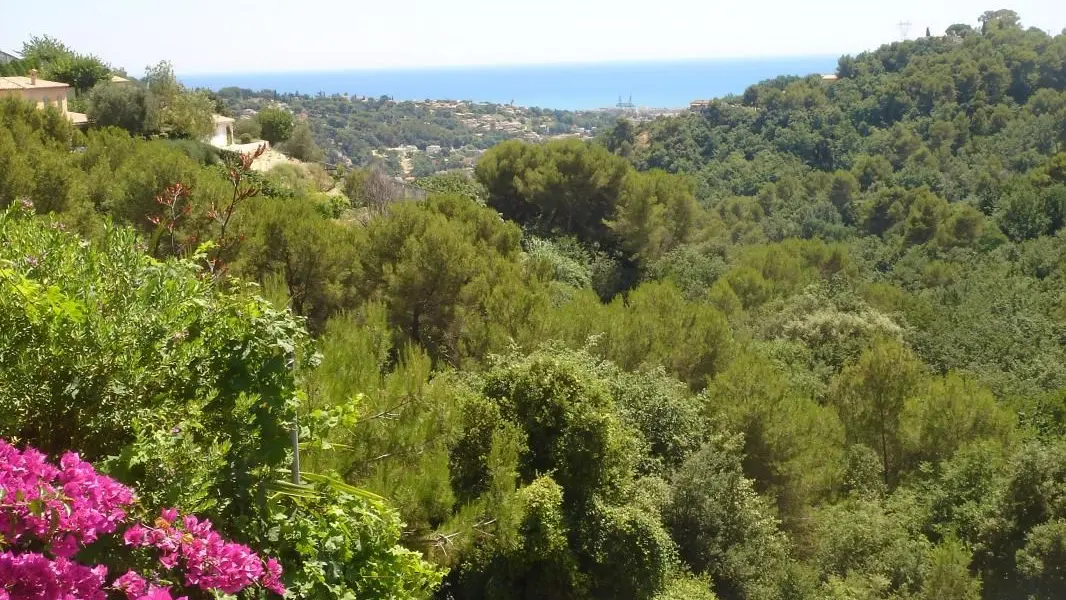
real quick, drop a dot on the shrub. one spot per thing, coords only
(248, 126)
(301, 145)
(276, 123)
(125, 106)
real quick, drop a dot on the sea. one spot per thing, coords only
(662, 85)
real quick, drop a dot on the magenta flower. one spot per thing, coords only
(159, 593)
(65, 508)
(33, 576)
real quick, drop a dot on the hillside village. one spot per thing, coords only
(415, 138)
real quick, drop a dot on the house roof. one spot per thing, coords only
(117, 79)
(23, 83)
(220, 119)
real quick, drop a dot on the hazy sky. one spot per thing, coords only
(201, 36)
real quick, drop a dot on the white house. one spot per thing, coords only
(223, 134)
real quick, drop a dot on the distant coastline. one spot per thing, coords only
(563, 87)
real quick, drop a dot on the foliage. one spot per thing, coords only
(723, 527)
(276, 124)
(453, 183)
(249, 126)
(360, 128)
(147, 378)
(301, 144)
(342, 543)
(125, 106)
(803, 343)
(567, 187)
(182, 113)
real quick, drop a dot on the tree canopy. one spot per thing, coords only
(805, 343)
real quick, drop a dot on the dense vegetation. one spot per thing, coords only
(356, 128)
(810, 343)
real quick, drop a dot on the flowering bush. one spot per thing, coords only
(48, 514)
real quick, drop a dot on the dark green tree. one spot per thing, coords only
(277, 124)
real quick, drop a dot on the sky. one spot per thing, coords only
(209, 36)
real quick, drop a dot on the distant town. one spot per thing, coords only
(418, 138)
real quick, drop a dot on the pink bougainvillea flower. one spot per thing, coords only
(62, 509)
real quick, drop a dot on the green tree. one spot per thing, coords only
(189, 115)
(1024, 214)
(621, 138)
(722, 527)
(843, 195)
(301, 144)
(248, 126)
(569, 425)
(926, 217)
(872, 544)
(315, 257)
(443, 266)
(565, 186)
(949, 575)
(126, 106)
(656, 213)
(871, 395)
(44, 50)
(994, 20)
(1041, 560)
(277, 124)
(793, 448)
(81, 72)
(161, 81)
(952, 412)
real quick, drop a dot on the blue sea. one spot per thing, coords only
(567, 87)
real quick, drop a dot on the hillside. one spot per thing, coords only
(808, 343)
(435, 135)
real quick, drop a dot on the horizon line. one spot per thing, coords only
(541, 65)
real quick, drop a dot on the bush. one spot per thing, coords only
(150, 380)
(276, 124)
(127, 106)
(248, 126)
(301, 145)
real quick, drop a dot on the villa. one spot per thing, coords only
(41, 92)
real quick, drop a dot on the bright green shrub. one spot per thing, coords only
(111, 353)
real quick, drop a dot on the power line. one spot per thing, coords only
(904, 29)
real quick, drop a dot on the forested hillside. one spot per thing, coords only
(807, 344)
(359, 128)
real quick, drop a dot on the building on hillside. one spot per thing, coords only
(117, 79)
(829, 77)
(433, 149)
(6, 57)
(41, 92)
(223, 134)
